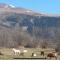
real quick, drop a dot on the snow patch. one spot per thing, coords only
(12, 6)
(6, 23)
(29, 11)
(31, 20)
(24, 28)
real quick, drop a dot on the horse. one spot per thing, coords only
(42, 53)
(16, 51)
(34, 54)
(51, 55)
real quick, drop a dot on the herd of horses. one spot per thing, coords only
(49, 55)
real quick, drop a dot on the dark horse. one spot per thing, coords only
(51, 55)
(42, 53)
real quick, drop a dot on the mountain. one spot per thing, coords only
(20, 26)
(3, 5)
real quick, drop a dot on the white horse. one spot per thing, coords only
(16, 51)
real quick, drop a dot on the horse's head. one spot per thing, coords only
(13, 49)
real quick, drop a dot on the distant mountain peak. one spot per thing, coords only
(3, 5)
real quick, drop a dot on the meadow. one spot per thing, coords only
(9, 55)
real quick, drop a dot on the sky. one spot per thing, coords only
(43, 6)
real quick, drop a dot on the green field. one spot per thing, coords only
(9, 55)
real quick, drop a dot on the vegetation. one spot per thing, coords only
(42, 31)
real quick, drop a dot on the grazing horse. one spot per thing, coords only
(34, 54)
(51, 55)
(16, 51)
(42, 53)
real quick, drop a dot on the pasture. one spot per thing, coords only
(9, 55)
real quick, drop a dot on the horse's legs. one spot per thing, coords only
(56, 58)
(18, 53)
(15, 53)
(49, 58)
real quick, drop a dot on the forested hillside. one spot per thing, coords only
(28, 28)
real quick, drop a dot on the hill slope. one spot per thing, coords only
(19, 26)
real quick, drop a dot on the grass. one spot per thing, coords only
(8, 54)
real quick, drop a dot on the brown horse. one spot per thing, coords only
(52, 55)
